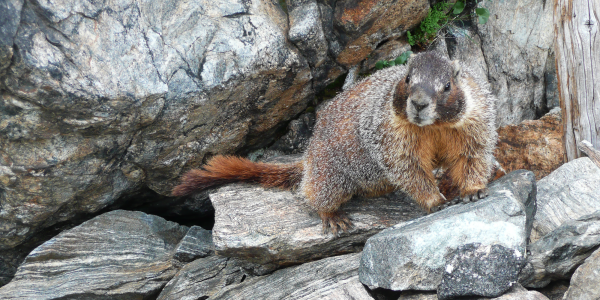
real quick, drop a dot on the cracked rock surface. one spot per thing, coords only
(100, 99)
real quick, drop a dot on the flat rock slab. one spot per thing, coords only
(570, 192)
(559, 253)
(117, 255)
(203, 278)
(413, 255)
(275, 228)
(334, 278)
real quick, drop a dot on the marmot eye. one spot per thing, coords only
(447, 87)
(407, 78)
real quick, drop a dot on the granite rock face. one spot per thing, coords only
(517, 42)
(275, 228)
(534, 145)
(413, 255)
(334, 278)
(117, 255)
(568, 193)
(556, 255)
(100, 99)
(476, 270)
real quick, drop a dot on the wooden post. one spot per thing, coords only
(577, 47)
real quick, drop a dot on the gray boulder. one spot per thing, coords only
(334, 278)
(414, 255)
(101, 99)
(559, 253)
(117, 255)
(517, 42)
(476, 270)
(517, 292)
(584, 283)
(275, 228)
(203, 278)
(196, 243)
(568, 193)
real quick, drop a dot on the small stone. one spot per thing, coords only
(196, 243)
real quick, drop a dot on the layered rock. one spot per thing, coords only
(534, 145)
(413, 255)
(117, 255)
(584, 283)
(334, 278)
(568, 193)
(275, 228)
(556, 255)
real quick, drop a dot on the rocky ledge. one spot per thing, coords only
(266, 244)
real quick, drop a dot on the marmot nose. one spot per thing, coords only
(419, 107)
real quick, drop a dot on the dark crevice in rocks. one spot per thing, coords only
(383, 294)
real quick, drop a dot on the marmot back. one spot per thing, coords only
(388, 132)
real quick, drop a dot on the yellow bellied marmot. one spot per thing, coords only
(388, 132)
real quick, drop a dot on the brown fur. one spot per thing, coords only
(221, 170)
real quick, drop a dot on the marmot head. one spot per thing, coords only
(430, 93)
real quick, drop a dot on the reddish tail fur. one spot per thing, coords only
(228, 169)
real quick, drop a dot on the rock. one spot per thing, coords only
(517, 292)
(196, 243)
(296, 139)
(555, 290)
(204, 277)
(275, 228)
(102, 99)
(10, 17)
(568, 193)
(517, 42)
(362, 24)
(464, 44)
(477, 270)
(556, 255)
(334, 278)
(117, 255)
(413, 255)
(536, 146)
(584, 283)
(390, 50)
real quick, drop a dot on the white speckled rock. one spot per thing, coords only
(412, 255)
(117, 255)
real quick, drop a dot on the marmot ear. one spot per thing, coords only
(456, 69)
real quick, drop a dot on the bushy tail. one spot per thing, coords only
(221, 170)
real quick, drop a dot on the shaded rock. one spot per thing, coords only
(517, 292)
(104, 98)
(297, 137)
(555, 290)
(275, 228)
(536, 146)
(584, 283)
(464, 44)
(362, 24)
(307, 32)
(388, 51)
(117, 255)
(196, 243)
(333, 278)
(556, 255)
(413, 255)
(203, 278)
(517, 42)
(568, 193)
(476, 270)
(10, 17)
